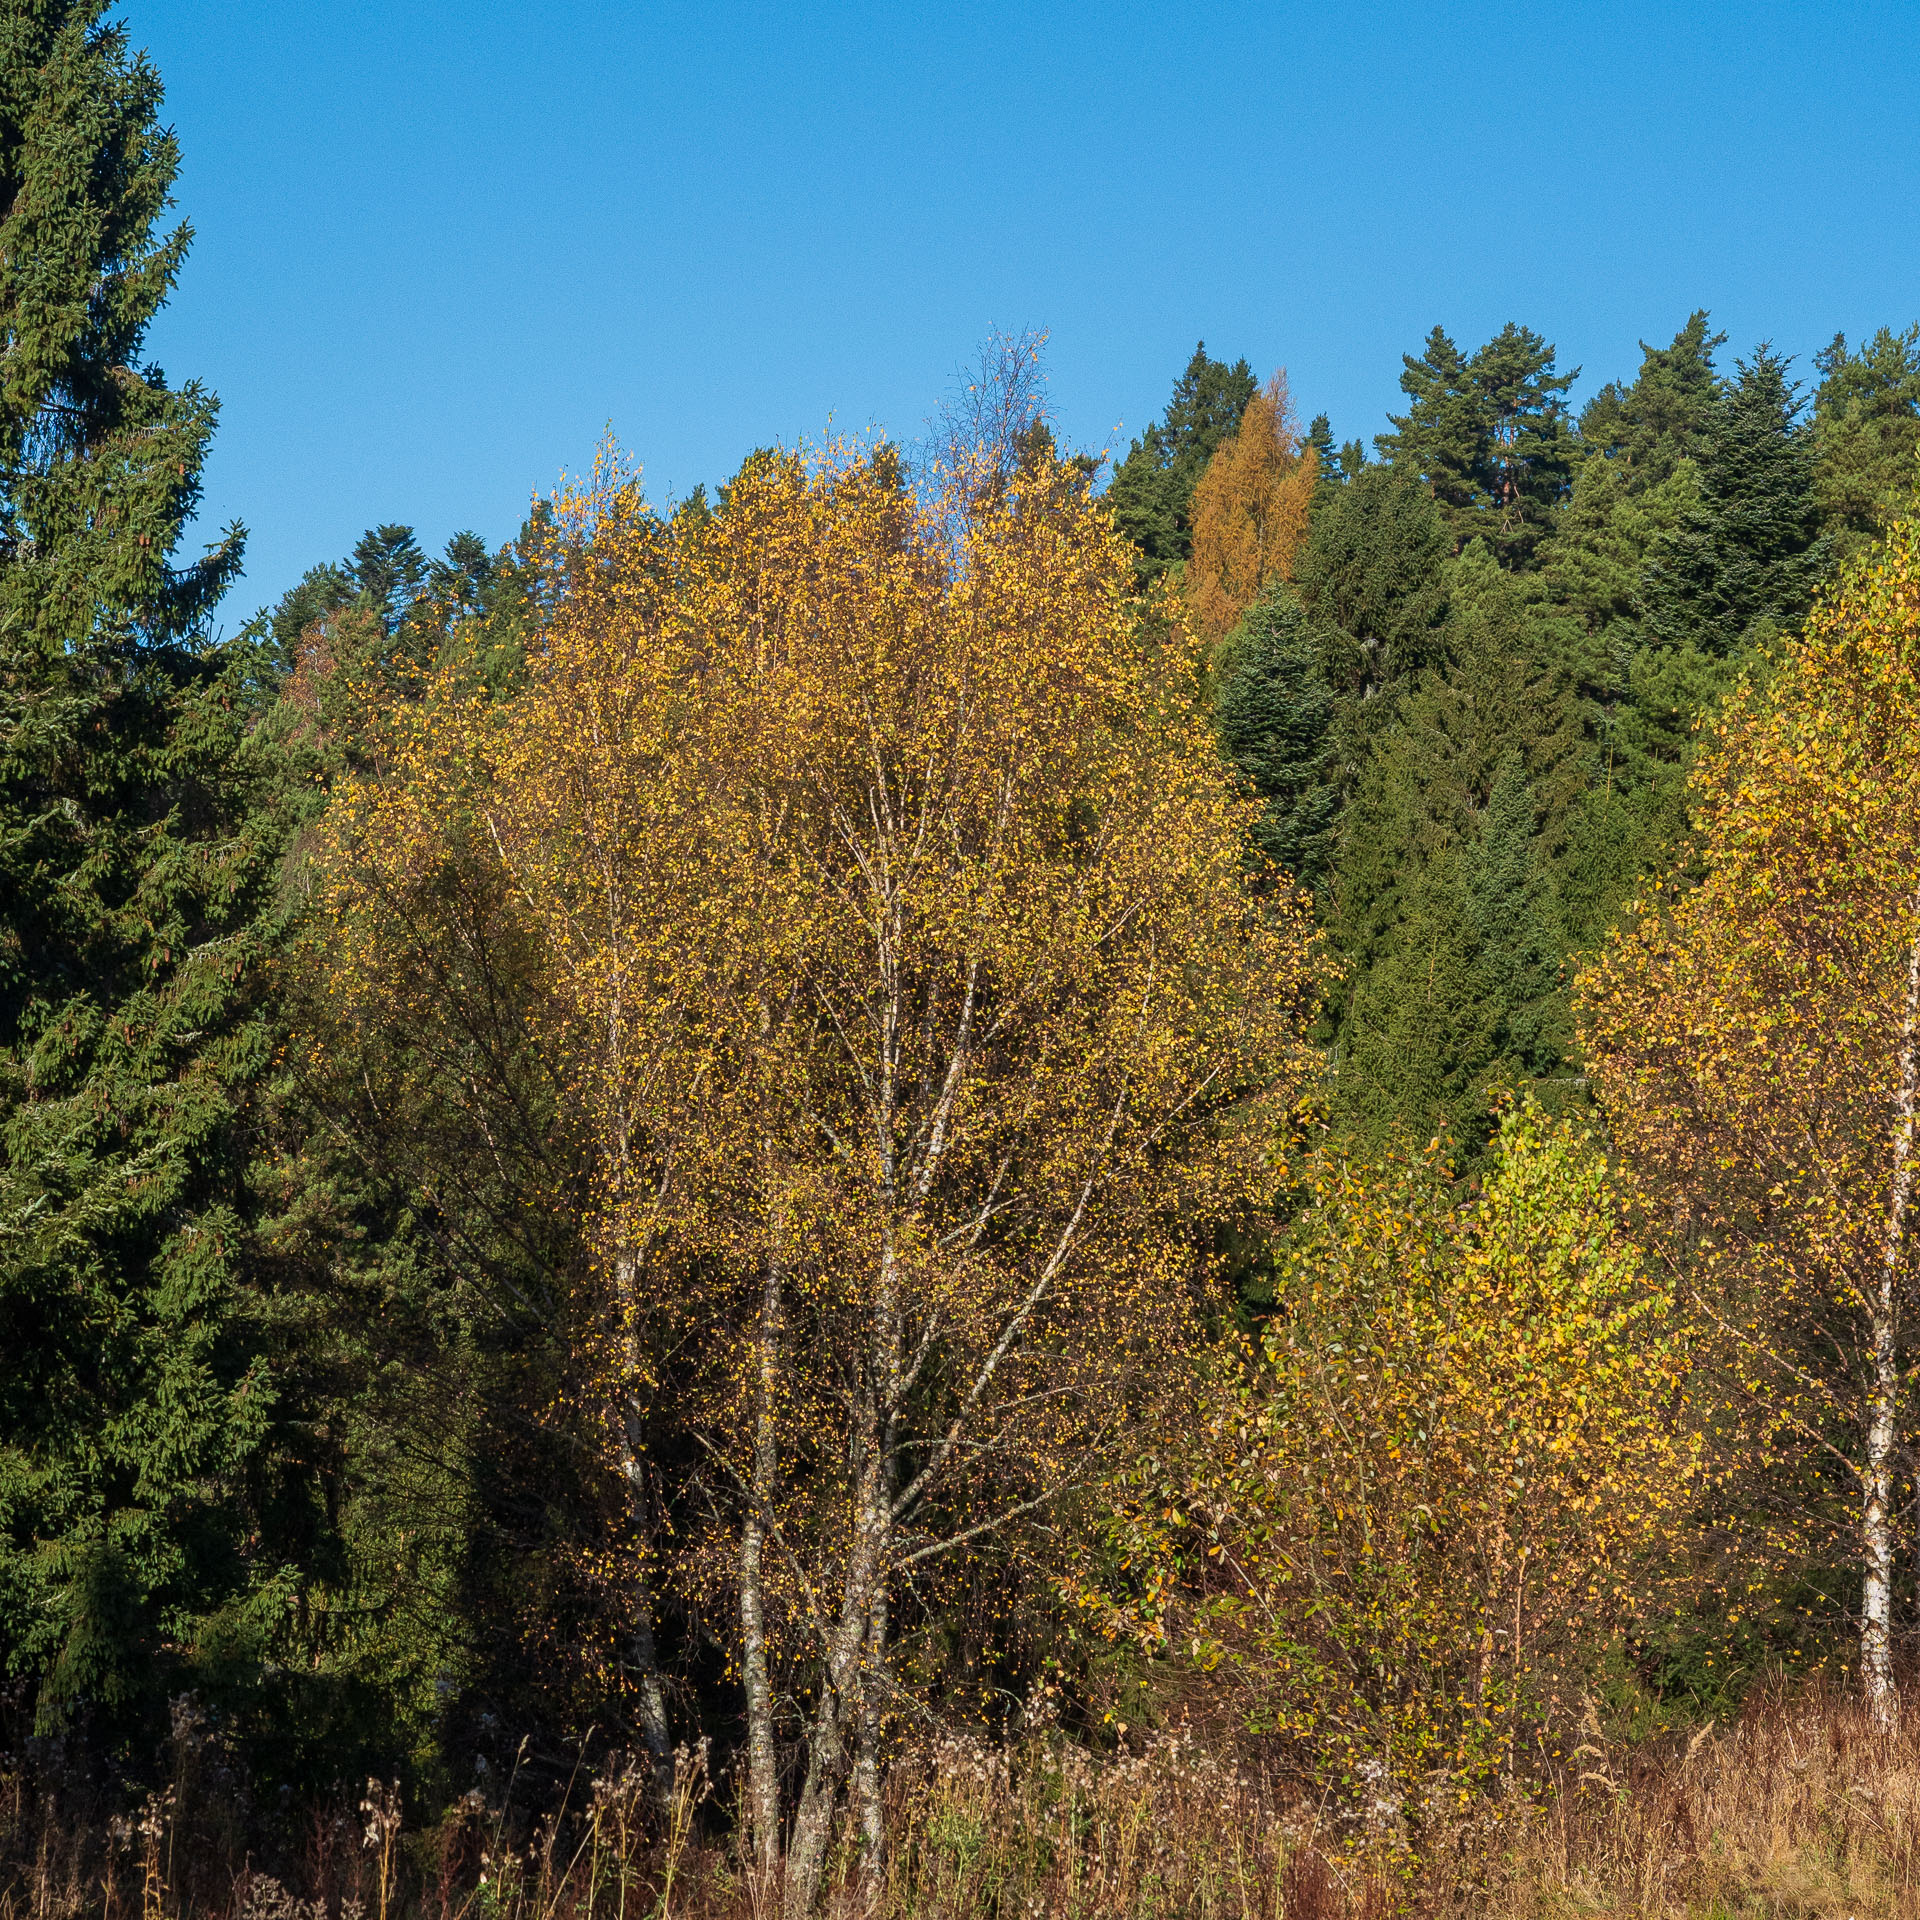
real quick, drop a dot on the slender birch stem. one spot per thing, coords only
(1876, 1631)
(763, 1784)
(643, 1659)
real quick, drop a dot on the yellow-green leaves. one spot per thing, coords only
(1425, 1503)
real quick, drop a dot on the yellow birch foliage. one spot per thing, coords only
(1750, 1036)
(1437, 1487)
(916, 992)
(1249, 512)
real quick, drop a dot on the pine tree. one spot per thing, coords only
(1490, 438)
(1152, 487)
(1527, 468)
(136, 864)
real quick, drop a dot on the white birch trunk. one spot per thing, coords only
(763, 1782)
(642, 1657)
(1876, 1629)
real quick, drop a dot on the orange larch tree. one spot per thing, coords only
(1249, 511)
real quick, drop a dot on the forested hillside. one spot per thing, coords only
(954, 1182)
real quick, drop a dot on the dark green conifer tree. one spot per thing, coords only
(137, 859)
(1275, 711)
(1151, 488)
(1441, 438)
(1526, 470)
(1490, 438)
(389, 569)
(1517, 960)
(1866, 433)
(1372, 576)
(1326, 455)
(1444, 941)
(1647, 428)
(1751, 550)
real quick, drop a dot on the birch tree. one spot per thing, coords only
(1753, 1038)
(927, 1012)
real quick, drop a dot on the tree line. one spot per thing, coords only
(948, 1089)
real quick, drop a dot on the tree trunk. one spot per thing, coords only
(868, 1812)
(642, 1656)
(763, 1783)
(1876, 1629)
(841, 1684)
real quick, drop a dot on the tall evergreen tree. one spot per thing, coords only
(390, 570)
(1441, 438)
(1489, 436)
(1517, 962)
(1647, 428)
(1151, 488)
(1275, 712)
(1326, 455)
(134, 872)
(1751, 550)
(1444, 937)
(1372, 577)
(1866, 433)
(1531, 449)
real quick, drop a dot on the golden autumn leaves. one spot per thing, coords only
(909, 977)
(900, 950)
(1411, 1522)
(1249, 512)
(1753, 1037)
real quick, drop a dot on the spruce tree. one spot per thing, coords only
(1151, 488)
(1275, 712)
(1372, 578)
(1444, 935)
(1751, 550)
(1326, 455)
(1517, 963)
(1647, 428)
(1441, 438)
(135, 1405)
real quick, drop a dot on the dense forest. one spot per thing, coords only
(968, 1180)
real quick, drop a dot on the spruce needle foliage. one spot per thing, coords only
(138, 843)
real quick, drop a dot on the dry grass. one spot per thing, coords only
(1802, 1808)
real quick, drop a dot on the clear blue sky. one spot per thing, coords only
(442, 246)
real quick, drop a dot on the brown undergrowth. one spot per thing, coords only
(1800, 1808)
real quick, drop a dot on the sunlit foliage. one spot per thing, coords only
(1419, 1507)
(1753, 1038)
(1250, 511)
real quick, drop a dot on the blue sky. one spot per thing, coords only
(442, 247)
